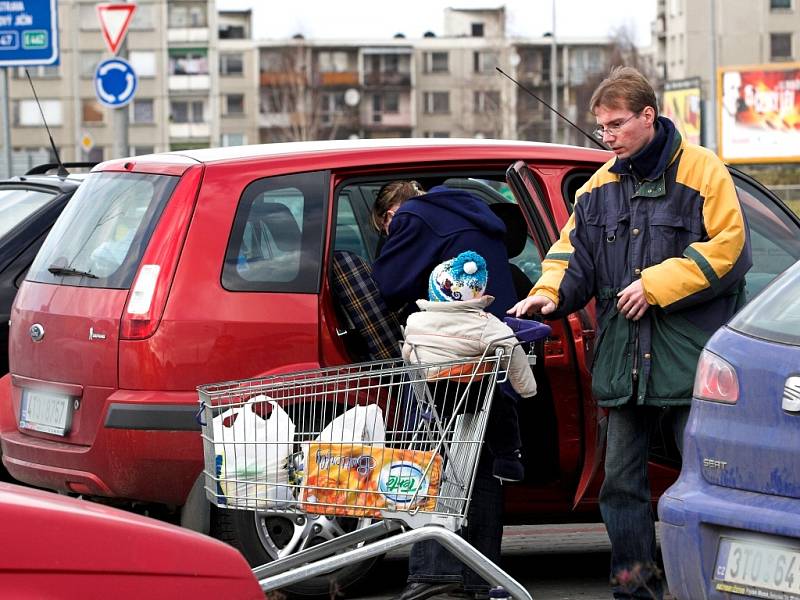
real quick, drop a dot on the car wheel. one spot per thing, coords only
(264, 537)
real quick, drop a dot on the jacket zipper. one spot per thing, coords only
(635, 370)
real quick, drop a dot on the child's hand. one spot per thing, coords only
(532, 304)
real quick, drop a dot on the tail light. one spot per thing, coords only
(148, 296)
(715, 380)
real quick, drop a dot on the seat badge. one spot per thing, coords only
(37, 332)
(94, 335)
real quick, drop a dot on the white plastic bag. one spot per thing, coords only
(251, 454)
(359, 424)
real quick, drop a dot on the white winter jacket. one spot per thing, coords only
(445, 331)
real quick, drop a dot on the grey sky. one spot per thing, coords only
(325, 19)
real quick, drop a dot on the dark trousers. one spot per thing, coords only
(625, 497)
(430, 562)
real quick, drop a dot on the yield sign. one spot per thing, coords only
(114, 21)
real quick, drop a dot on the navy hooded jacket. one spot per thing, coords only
(435, 227)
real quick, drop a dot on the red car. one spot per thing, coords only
(173, 270)
(57, 547)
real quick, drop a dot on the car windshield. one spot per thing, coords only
(99, 239)
(16, 205)
(774, 314)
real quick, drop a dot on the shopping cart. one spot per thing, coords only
(390, 443)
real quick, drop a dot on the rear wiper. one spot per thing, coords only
(70, 271)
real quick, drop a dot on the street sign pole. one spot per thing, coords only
(120, 119)
(6, 125)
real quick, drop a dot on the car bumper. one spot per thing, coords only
(695, 515)
(142, 451)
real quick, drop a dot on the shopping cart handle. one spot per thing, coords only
(527, 330)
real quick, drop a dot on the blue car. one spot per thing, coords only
(730, 525)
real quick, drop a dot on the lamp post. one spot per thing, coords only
(553, 78)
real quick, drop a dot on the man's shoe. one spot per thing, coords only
(509, 467)
(420, 590)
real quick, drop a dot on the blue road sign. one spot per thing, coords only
(28, 33)
(115, 82)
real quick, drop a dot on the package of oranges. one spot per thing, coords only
(359, 480)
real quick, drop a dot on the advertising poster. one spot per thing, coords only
(759, 113)
(682, 105)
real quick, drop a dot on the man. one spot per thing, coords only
(658, 239)
(423, 232)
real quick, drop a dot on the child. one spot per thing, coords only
(453, 324)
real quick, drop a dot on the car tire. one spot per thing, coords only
(262, 537)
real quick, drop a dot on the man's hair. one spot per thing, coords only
(625, 87)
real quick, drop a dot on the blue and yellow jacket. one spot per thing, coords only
(683, 232)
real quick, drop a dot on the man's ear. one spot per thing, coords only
(649, 114)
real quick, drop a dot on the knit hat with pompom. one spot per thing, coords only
(461, 278)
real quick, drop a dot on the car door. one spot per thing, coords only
(569, 349)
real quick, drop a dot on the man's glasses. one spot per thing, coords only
(614, 128)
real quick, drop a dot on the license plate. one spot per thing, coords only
(760, 569)
(46, 412)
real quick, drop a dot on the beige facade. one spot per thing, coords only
(182, 100)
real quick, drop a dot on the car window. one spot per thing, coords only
(104, 230)
(775, 314)
(16, 205)
(773, 237)
(276, 241)
(348, 235)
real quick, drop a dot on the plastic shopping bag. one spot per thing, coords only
(251, 454)
(357, 424)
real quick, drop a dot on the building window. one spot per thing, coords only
(437, 134)
(437, 62)
(92, 112)
(386, 103)
(233, 139)
(332, 62)
(144, 63)
(143, 111)
(780, 46)
(234, 104)
(88, 62)
(486, 102)
(780, 4)
(437, 102)
(37, 72)
(331, 105)
(187, 14)
(95, 155)
(141, 150)
(187, 111)
(143, 17)
(231, 63)
(273, 101)
(484, 62)
(26, 113)
(188, 62)
(477, 30)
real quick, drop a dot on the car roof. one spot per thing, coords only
(69, 183)
(398, 148)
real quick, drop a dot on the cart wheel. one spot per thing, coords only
(264, 537)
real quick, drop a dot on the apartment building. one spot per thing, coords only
(172, 45)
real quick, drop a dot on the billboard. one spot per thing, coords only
(682, 105)
(759, 113)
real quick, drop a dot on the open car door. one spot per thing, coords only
(569, 350)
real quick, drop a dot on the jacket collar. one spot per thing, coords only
(478, 304)
(651, 161)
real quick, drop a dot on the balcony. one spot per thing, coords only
(343, 78)
(186, 131)
(280, 79)
(270, 120)
(189, 83)
(391, 78)
(188, 34)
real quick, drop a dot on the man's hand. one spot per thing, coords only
(632, 303)
(532, 304)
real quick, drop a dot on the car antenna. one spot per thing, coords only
(594, 139)
(62, 172)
